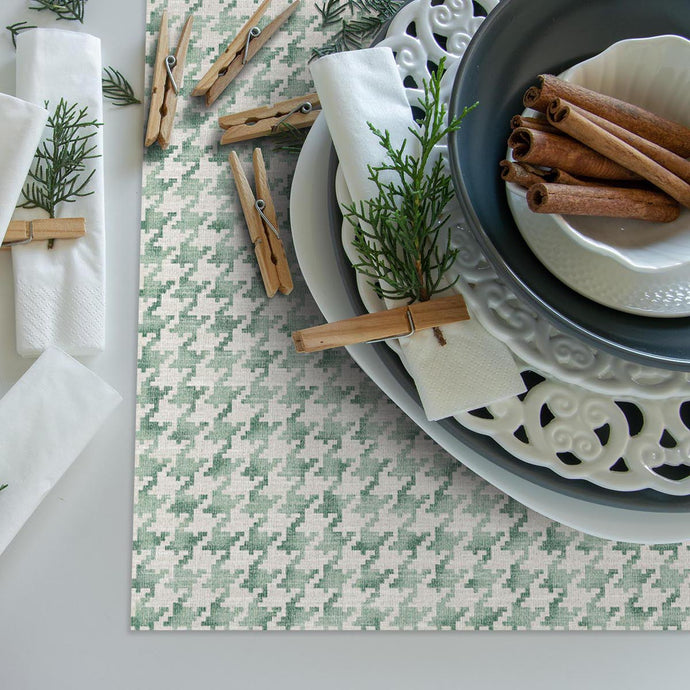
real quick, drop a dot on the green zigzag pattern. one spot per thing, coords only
(276, 491)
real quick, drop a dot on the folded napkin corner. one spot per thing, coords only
(46, 420)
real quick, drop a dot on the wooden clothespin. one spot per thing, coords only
(261, 220)
(168, 72)
(25, 231)
(243, 48)
(262, 122)
(400, 322)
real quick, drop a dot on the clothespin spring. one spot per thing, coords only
(397, 337)
(253, 33)
(260, 205)
(170, 63)
(305, 108)
(27, 240)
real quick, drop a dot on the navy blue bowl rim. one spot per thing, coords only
(648, 356)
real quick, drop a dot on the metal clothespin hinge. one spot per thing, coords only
(398, 337)
(305, 108)
(253, 33)
(170, 63)
(260, 205)
(27, 240)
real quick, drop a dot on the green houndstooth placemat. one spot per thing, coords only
(277, 491)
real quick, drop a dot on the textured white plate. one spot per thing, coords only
(630, 265)
(316, 256)
(570, 443)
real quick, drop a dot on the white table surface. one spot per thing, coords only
(64, 581)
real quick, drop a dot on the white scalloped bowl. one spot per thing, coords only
(631, 265)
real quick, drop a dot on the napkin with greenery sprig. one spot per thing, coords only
(399, 194)
(60, 292)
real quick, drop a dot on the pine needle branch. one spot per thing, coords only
(117, 89)
(59, 174)
(354, 31)
(3, 486)
(331, 11)
(289, 138)
(16, 28)
(70, 10)
(400, 236)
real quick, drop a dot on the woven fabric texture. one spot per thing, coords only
(283, 491)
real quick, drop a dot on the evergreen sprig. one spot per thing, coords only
(289, 138)
(3, 486)
(70, 10)
(399, 241)
(354, 31)
(117, 89)
(57, 175)
(16, 28)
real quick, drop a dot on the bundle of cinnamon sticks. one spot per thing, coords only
(591, 154)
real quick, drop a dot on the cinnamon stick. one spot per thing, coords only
(666, 133)
(558, 176)
(557, 151)
(614, 202)
(540, 123)
(562, 177)
(671, 161)
(572, 122)
(519, 174)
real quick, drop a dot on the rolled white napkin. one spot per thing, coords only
(22, 128)
(474, 368)
(46, 420)
(60, 293)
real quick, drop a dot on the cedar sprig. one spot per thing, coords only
(354, 32)
(288, 138)
(58, 173)
(70, 10)
(16, 28)
(117, 89)
(331, 11)
(399, 239)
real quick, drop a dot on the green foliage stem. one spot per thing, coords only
(399, 240)
(16, 28)
(358, 22)
(57, 175)
(117, 89)
(70, 10)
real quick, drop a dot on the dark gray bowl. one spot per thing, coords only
(517, 41)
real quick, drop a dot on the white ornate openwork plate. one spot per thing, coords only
(647, 517)
(624, 426)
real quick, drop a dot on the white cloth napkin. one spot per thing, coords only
(60, 293)
(20, 134)
(474, 368)
(46, 420)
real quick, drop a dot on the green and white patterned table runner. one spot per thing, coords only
(278, 491)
